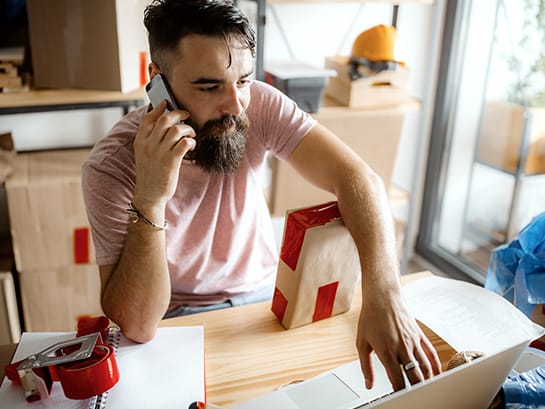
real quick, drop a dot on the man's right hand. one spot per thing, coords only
(160, 144)
(136, 291)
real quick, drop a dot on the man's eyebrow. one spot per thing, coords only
(205, 80)
(248, 74)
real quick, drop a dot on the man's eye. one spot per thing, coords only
(209, 89)
(245, 82)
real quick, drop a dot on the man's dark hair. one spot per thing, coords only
(168, 21)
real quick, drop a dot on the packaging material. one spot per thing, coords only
(373, 134)
(48, 221)
(54, 298)
(318, 267)
(517, 271)
(502, 129)
(98, 44)
(302, 83)
(525, 390)
(386, 88)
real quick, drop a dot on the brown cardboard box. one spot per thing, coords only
(48, 221)
(502, 127)
(372, 134)
(54, 298)
(385, 88)
(99, 44)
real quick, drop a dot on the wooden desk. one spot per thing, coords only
(248, 352)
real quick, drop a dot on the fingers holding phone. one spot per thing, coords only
(178, 136)
(163, 132)
(161, 142)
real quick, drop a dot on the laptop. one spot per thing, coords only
(470, 386)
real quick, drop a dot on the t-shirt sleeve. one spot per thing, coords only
(277, 119)
(107, 191)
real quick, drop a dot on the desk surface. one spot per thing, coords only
(248, 352)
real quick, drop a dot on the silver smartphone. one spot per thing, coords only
(158, 90)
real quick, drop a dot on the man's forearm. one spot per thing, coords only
(136, 294)
(364, 206)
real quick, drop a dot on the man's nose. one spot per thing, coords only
(233, 101)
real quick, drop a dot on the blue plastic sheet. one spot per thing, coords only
(517, 270)
(526, 390)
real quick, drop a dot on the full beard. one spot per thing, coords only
(220, 147)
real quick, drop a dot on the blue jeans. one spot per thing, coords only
(264, 294)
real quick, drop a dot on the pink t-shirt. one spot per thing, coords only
(220, 241)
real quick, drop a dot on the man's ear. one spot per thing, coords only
(153, 70)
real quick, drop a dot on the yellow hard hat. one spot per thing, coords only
(376, 49)
(379, 43)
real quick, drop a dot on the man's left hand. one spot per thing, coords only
(387, 328)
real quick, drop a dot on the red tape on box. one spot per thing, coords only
(80, 379)
(296, 225)
(325, 300)
(81, 245)
(279, 304)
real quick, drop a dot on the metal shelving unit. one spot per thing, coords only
(262, 20)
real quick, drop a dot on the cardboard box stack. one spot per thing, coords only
(54, 254)
(98, 44)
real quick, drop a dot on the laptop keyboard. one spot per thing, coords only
(375, 400)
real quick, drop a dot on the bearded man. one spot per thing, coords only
(175, 200)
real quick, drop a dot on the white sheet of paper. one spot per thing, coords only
(167, 372)
(467, 316)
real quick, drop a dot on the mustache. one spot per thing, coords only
(217, 126)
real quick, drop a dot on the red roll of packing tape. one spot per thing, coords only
(84, 378)
(90, 377)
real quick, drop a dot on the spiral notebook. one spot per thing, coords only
(167, 372)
